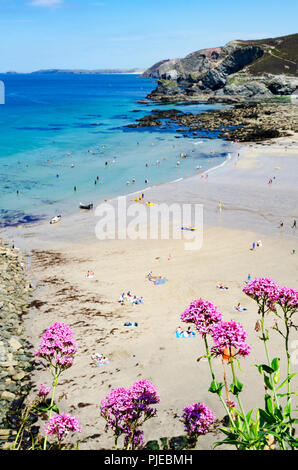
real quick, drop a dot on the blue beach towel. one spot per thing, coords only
(181, 336)
(160, 281)
(99, 365)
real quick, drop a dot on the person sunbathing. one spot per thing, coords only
(96, 357)
(221, 286)
(89, 274)
(239, 308)
(103, 360)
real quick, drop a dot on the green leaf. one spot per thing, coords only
(267, 382)
(265, 418)
(248, 416)
(287, 409)
(275, 364)
(236, 387)
(269, 404)
(55, 408)
(264, 367)
(238, 364)
(216, 387)
(287, 380)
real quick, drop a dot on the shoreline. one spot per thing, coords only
(221, 188)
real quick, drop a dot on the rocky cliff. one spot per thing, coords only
(240, 69)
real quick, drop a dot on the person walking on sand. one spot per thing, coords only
(294, 224)
(281, 224)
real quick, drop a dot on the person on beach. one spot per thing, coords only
(294, 224)
(179, 330)
(281, 224)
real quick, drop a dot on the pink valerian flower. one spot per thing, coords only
(57, 346)
(287, 299)
(61, 425)
(127, 409)
(204, 314)
(43, 391)
(230, 404)
(263, 290)
(197, 419)
(229, 338)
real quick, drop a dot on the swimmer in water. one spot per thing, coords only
(74, 188)
(106, 163)
(146, 181)
(133, 180)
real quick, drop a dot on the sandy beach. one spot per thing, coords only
(61, 255)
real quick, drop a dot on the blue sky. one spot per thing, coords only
(91, 34)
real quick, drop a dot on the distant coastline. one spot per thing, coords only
(132, 71)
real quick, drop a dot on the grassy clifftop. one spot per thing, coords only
(280, 55)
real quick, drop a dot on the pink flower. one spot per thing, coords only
(204, 314)
(57, 346)
(61, 425)
(263, 290)
(197, 419)
(127, 409)
(230, 404)
(230, 337)
(43, 391)
(287, 299)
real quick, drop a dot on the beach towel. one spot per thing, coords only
(105, 364)
(181, 335)
(157, 282)
(192, 229)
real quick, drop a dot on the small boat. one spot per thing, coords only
(55, 219)
(86, 206)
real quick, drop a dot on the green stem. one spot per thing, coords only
(209, 358)
(213, 378)
(238, 398)
(55, 382)
(267, 354)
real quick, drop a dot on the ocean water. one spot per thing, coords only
(58, 131)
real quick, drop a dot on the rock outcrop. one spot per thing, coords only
(242, 69)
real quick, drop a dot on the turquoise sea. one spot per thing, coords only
(58, 131)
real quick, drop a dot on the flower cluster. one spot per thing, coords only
(287, 299)
(61, 425)
(126, 409)
(43, 391)
(229, 339)
(263, 290)
(57, 346)
(204, 314)
(197, 419)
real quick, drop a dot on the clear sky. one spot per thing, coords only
(91, 34)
